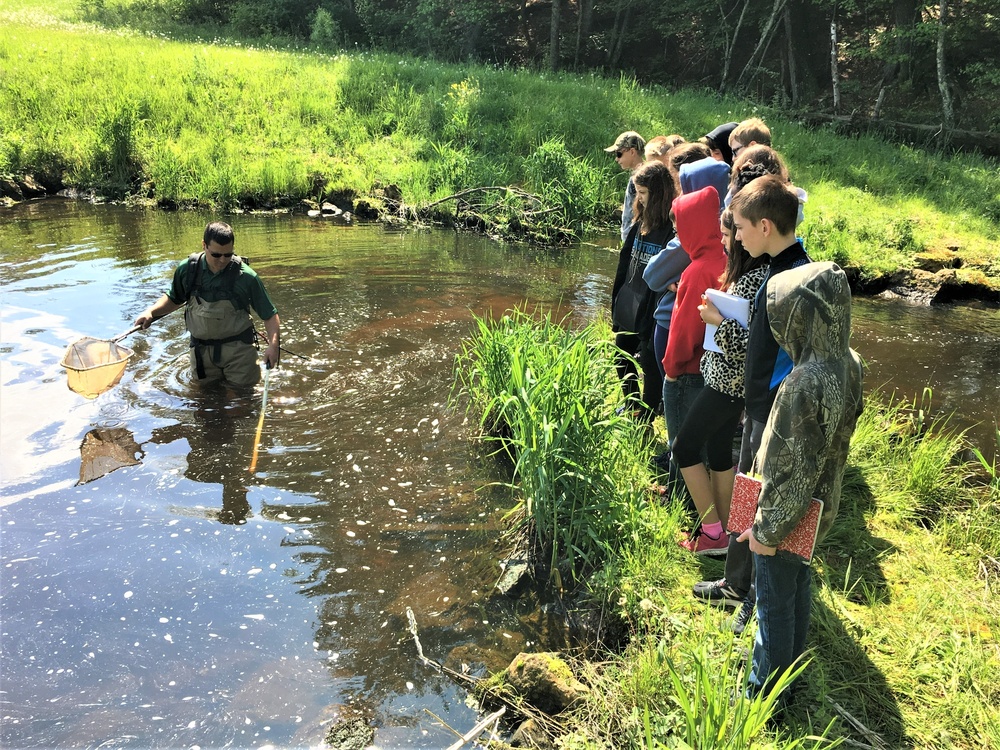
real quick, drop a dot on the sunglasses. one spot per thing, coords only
(221, 255)
(618, 154)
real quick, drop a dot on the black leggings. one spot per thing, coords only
(711, 422)
(640, 347)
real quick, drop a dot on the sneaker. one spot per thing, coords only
(720, 593)
(743, 616)
(704, 545)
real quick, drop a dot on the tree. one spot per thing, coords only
(942, 69)
(554, 36)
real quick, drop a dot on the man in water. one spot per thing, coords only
(219, 289)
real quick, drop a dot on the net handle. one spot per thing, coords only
(120, 336)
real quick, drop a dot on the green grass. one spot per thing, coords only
(227, 123)
(905, 633)
(548, 398)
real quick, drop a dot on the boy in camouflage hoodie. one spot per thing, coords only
(803, 451)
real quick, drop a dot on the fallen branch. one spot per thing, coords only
(485, 188)
(479, 728)
(986, 143)
(877, 743)
(549, 725)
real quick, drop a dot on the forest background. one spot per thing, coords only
(909, 60)
(263, 105)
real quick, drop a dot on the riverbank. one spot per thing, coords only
(904, 649)
(234, 127)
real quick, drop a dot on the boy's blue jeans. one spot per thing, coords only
(678, 395)
(783, 602)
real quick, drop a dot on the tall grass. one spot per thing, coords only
(224, 123)
(548, 396)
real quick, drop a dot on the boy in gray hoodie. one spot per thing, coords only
(803, 452)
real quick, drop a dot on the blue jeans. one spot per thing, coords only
(678, 395)
(783, 602)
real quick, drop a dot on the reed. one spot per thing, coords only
(548, 396)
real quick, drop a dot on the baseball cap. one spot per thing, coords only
(628, 139)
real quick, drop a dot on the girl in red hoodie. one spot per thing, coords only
(696, 218)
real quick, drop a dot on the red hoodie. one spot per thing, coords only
(696, 217)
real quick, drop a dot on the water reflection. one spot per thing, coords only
(105, 449)
(215, 456)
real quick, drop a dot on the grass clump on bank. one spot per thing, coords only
(546, 398)
(905, 635)
(230, 125)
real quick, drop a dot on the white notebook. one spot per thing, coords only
(730, 306)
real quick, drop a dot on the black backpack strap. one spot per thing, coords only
(194, 274)
(230, 274)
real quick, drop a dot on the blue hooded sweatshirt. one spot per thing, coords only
(665, 267)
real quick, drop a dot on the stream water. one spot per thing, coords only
(156, 594)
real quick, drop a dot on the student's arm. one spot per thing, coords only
(687, 331)
(666, 266)
(731, 337)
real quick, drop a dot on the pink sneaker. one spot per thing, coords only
(705, 545)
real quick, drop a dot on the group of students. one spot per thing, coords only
(721, 213)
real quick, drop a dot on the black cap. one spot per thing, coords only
(720, 137)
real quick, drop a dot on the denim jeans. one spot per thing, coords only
(678, 395)
(783, 602)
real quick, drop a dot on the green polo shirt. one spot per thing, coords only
(247, 287)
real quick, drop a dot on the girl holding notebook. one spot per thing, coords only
(712, 419)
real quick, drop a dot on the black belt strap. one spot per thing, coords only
(247, 337)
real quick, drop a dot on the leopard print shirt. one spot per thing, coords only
(723, 370)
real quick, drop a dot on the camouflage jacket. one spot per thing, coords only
(804, 448)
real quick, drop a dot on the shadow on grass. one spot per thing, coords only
(842, 671)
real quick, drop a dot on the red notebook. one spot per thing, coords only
(743, 511)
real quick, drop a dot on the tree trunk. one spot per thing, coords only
(888, 77)
(834, 72)
(947, 108)
(620, 37)
(586, 13)
(904, 14)
(731, 46)
(765, 40)
(793, 82)
(526, 30)
(554, 36)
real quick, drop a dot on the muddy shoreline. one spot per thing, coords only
(935, 278)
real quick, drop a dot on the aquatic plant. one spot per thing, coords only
(548, 397)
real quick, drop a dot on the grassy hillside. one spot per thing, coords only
(226, 124)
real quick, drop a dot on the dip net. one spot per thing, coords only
(94, 365)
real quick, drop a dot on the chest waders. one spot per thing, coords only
(222, 321)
